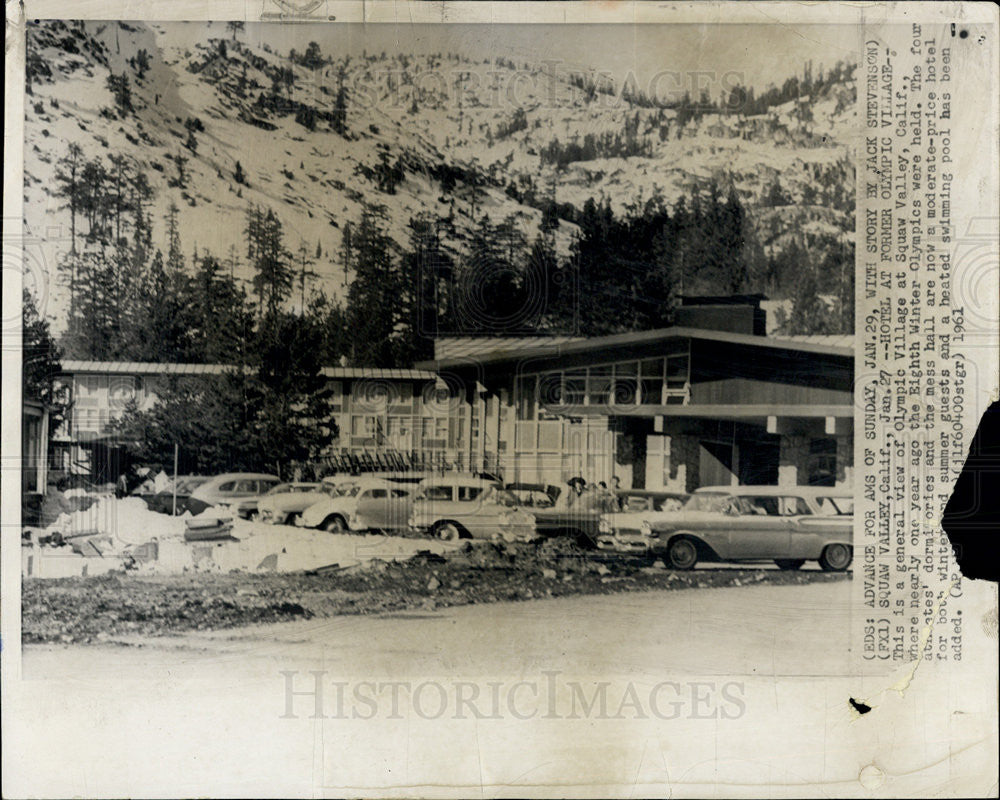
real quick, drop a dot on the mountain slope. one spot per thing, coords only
(438, 135)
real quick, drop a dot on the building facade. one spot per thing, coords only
(674, 409)
(387, 418)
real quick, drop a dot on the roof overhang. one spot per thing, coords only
(634, 338)
(709, 411)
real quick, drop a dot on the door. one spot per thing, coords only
(373, 507)
(715, 463)
(399, 507)
(758, 461)
(763, 528)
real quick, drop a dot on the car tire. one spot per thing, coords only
(581, 539)
(789, 563)
(335, 524)
(448, 531)
(836, 557)
(682, 553)
(290, 519)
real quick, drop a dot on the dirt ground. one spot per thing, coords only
(92, 610)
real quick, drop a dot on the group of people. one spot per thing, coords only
(585, 496)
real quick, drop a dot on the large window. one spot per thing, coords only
(650, 381)
(434, 432)
(524, 393)
(600, 383)
(574, 387)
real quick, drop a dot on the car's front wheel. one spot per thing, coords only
(836, 557)
(789, 563)
(335, 524)
(448, 531)
(683, 554)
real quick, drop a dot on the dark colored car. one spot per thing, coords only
(163, 502)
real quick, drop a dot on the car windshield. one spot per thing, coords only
(708, 502)
(531, 496)
(835, 505)
(505, 497)
(351, 490)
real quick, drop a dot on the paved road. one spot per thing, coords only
(762, 630)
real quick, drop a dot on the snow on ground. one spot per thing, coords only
(260, 547)
(311, 178)
(125, 530)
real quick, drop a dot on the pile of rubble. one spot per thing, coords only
(117, 606)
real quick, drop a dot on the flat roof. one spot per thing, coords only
(843, 347)
(70, 366)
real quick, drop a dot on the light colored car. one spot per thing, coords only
(470, 508)
(235, 491)
(283, 504)
(555, 516)
(361, 504)
(620, 530)
(785, 524)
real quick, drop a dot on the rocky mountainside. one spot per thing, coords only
(218, 124)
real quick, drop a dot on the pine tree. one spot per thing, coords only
(141, 63)
(119, 87)
(372, 299)
(68, 185)
(40, 357)
(180, 161)
(305, 274)
(339, 114)
(271, 261)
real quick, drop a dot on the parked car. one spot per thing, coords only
(360, 504)
(283, 504)
(787, 524)
(644, 500)
(238, 491)
(163, 502)
(470, 508)
(554, 516)
(639, 506)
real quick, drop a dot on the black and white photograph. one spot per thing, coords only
(449, 404)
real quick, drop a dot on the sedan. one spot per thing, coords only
(163, 502)
(787, 525)
(470, 508)
(237, 491)
(283, 504)
(361, 504)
